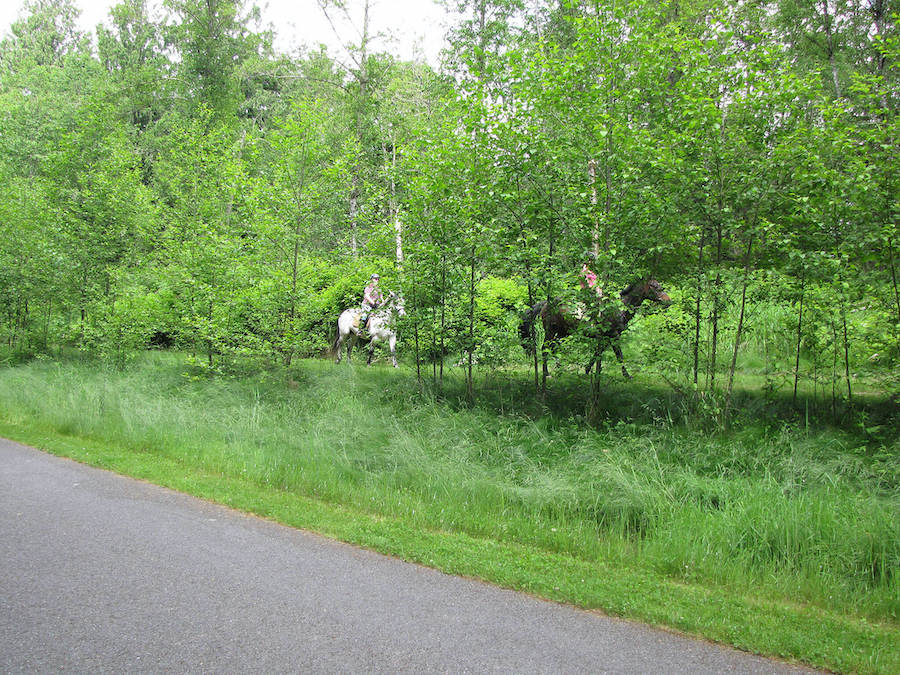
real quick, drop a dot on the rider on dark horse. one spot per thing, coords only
(600, 311)
(590, 293)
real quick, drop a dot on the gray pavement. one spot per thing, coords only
(100, 573)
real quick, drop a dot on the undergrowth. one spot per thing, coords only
(773, 505)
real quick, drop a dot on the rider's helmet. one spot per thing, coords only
(374, 277)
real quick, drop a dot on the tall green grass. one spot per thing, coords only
(767, 508)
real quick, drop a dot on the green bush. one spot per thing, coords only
(498, 306)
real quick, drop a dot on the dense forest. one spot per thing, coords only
(172, 180)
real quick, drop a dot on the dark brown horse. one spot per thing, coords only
(606, 326)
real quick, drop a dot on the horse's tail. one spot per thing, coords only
(337, 338)
(526, 328)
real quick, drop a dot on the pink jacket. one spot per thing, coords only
(372, 296)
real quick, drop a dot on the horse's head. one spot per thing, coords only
(657, 293)
(395, 302)
(639, 291)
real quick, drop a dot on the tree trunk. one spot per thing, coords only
(544, 354)
(532, 334)
(443, 315)
(595, 231)
(534, 352)
(834, 348)
(434, 345)
(415, 324)
(47, 324)
(592, 414)
(698, 305)
(894, 280)
(799, 333)
(717, 292)
(362, 78)
(354, 213)
(740, 326)
(846, 354)
(13, 316)
(395, 209)
(292, 313)
(84, 282)
(209, 342)
(23, 324)
(470, 348)
(830, 47)
(398, 233)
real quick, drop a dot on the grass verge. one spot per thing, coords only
(778, 541)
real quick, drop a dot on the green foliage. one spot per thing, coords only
(116, 333)
(696, 145)
(499, 304)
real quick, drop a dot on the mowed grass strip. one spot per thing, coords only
(793, 632)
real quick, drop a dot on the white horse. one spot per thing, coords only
(379, 326)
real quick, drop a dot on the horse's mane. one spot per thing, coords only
(628, 289)
(638, 291)
(388, 303)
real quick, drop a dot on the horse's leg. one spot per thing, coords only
(392, 343)
(371, 351)
(618, 350)
(340, 347)
(595, 358)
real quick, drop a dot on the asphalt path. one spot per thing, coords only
(101, 573)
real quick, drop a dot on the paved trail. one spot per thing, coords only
(100, 573)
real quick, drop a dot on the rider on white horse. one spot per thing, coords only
(372, 298)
